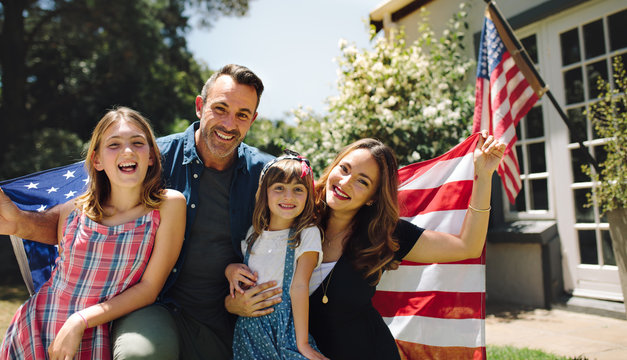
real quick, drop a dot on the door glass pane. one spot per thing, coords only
(539, 198)
(537, 160)
(520, 202)
(594, 41)
(608, 251)
(573, 82)
(595, 71)
(583, 214)
(570, 47)
(535, 125)
(618, 28)
(600, 154)
(531, 46)
(588, 247)
(578, 159)
(578, 132)
(519, 156)
(518, 134)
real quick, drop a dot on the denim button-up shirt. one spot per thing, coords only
(182, 168)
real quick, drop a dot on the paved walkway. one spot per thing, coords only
(558, 331)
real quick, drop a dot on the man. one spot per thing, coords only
(218, 174)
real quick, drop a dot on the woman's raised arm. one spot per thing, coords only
(434, 246)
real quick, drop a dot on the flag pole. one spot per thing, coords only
(521, 49)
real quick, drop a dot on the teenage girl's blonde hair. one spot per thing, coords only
(99, 186)
(283, 171)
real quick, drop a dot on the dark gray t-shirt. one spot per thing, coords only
(201, 286)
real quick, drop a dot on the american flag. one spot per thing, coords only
(39, 192)
(506, 90)
(437, 311)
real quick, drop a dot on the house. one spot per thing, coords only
(548, 243)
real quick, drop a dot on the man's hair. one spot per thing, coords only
(241, 74)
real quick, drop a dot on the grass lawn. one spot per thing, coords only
(512, 353)
(11, 297)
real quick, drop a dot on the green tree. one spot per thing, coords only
(414, 97)
(65, 62)
(271, 136)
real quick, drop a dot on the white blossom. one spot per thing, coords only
(429, 111)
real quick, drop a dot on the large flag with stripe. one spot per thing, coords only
(38, 192)
(437, 311)
(506, 90)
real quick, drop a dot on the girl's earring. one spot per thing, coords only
(369, 203)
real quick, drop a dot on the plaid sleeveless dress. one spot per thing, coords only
(97, 262)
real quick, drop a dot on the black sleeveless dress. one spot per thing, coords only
(348, 326)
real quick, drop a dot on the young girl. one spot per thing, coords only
(117, 244)
(281, 245)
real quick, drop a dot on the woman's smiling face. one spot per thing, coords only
(352, 182)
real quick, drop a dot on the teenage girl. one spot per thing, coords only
(284, 245)
(117, 244)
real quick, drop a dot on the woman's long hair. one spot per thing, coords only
(283, 171)
(370, 244)
(99, 186)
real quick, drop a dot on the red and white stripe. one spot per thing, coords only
(437, 310)
(509, 97)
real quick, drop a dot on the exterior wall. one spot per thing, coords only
(440, 11)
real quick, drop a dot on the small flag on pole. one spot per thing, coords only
(437, 311)
(506, 90)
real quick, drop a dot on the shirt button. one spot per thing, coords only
(197, 161)
(174, 270)
(195, 176)
(193, 206)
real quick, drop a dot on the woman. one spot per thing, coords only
(358, 208)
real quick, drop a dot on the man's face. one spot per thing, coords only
(225, 118)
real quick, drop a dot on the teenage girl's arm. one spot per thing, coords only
(299, 293)
(37, 226)
(436, 246)
(167, 245)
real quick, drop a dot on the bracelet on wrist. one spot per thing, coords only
(84, 320)
(480, 210)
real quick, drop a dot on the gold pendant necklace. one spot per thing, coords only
(325, 299)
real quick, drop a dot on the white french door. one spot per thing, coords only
(579, 46)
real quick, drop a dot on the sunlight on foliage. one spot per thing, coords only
(609, 117)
